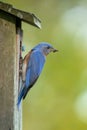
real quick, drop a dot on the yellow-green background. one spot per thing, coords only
(58, 101)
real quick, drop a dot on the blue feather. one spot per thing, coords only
(20, 96)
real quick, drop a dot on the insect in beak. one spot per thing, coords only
(55, 50)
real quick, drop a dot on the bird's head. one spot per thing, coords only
(45, 48)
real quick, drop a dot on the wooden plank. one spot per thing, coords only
(9, 73)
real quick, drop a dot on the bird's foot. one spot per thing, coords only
(23, 48)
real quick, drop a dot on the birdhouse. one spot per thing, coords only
(11, 35)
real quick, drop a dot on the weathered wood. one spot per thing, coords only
(10, 55)
(9, 73)
(24, 16)
(19, 32)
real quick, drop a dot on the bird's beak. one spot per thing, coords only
(55, 50)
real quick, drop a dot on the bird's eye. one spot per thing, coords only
(48, 47)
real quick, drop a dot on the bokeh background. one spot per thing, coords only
(58, 101)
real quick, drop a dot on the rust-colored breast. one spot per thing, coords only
(25, 63)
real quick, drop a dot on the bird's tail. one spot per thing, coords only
(21, 94)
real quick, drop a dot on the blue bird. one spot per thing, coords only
(32, 66)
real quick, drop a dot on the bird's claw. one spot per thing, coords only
(23, 48)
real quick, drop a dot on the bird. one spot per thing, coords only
(33, 64)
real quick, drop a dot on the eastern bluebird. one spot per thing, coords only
(32, 66)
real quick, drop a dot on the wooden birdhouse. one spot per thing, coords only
(10, 54)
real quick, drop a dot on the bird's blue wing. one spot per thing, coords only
(34, 68)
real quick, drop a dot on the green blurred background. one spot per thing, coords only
(58, 101)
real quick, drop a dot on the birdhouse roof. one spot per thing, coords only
(27, 17)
